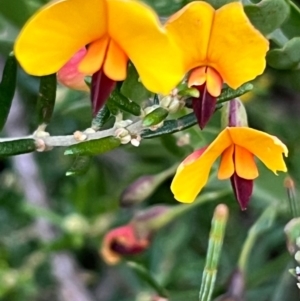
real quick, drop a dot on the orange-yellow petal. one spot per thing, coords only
(115, 65)
(197, 77)
(214, 82)
(236, 49)
(267, 148)
(137, 30)
(57, 31)
(245, 166)
(190, 28)
(226, 168)
(190, 178)
(94, 58)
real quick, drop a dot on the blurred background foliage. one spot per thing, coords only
(45, 215)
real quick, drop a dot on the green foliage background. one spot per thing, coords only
(177, 254)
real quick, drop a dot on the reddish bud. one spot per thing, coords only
(138, 191)
(234, 114)
(122, 241)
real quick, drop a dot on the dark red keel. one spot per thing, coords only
(242, 189)
(102, 86)
(204, 105)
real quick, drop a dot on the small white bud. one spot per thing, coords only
(79, 136)
(123, 135)
(89, 131)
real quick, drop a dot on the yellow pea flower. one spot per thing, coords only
(113, 31)
(237, 147)
(217, 46)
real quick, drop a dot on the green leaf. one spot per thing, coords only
(267, 15)
(112, 107)
(17, 147)
(93, 147)
(291, 27)
(172, 126)
(80, 166)
(287, 57)
(101, 117)
(124, 103)
(148, 278)
(46, 98)
(229, 93)
(155, 117)
(7, 88)
(132, 88)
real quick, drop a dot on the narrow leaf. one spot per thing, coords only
(229, 93)
(17, 147)
(101, 117)
(147, 277)
(124, 103)
(172, 126)
(80, 166)
(155, 117)
(93, 147)
(7, 88)
(46, 98)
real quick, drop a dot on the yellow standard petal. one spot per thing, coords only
(269, 149)
(191, 28)
(57, 31)
(137, 30)
(190, 178)
(236, 49)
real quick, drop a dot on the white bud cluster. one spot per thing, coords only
(173, 102)
(124, 135)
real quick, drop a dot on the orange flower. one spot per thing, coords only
(217, 46)
(237, 147)
(113, 30)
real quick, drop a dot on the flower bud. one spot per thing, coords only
(172, 103)
(234, 114)
(122, 241)
(123, 135)
(138, 191)
(292, 197)
(143, 187)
